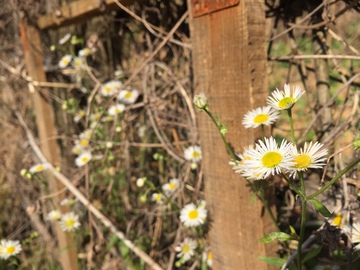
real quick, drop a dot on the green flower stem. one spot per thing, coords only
(295, 188)
(263, 133)
(252, 186)
(303, 217)
(291, 126)
(222, 136)
(337, 177)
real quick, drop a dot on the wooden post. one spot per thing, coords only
(229, 61)
(47, 133)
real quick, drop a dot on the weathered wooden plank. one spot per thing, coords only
(30, 37)
(229, 61)
(77, 12)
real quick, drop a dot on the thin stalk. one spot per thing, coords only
(303, 217)
(337, 177)
(295, 188)
(252, 186)
(263, 132)
(291, 126)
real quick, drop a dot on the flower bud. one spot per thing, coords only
(200, 101)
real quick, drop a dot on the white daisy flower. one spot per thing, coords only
(79, 115)
(158, 198)
(201, 203)
(200, 101)
(193, 153)
(268, 158)
(110, 88)
(65, 39)
(192, 216)
(9, 248)
(186, 249)
(69, 222)
(54, 215)
(77, 149)
(239, 166)
(116, 109)
(65, 61)
(128, 96)
(86, 134)
(85, 52)
(78, 63)
(260, 116)
(171, 187)
(83, 159)
(327, 267)
(39, 167)
(311, 156)
(355, 235)
(207, 257)
(68, 202)
(283, 100)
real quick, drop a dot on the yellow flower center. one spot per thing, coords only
(65, 62)
(172, 185)
(84, 142)
(10, 250)
(193, 214)
(196, 154)
(271, 159)
(302, 161)
(337, 221)
(128, 95)
(84, 159)
(186, 248)
(39, 168)
(286, 102)
(209, 255)
(70, 222)
(261, 118)
(158, 197)
(107, 89)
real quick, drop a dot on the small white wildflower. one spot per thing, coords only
(116, 109)
(192, 216)
(65, 39)
(69, 222)
(39, 167)
(54, 215)
(65, 61)
(193, 153)
(9, 248)
(186, 249)
(128, 96)
(171, 187)
(83, 159)
(158, 198)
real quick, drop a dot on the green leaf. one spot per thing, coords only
(321, 208)
(273, 261)
(271, 237)
(293, 232)
(311, 254)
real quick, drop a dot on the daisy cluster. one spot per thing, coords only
(192, 215)
(68, 221)
(268, 157)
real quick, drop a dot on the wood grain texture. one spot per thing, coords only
(229, 60)
(30, 37)
(77, 12)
